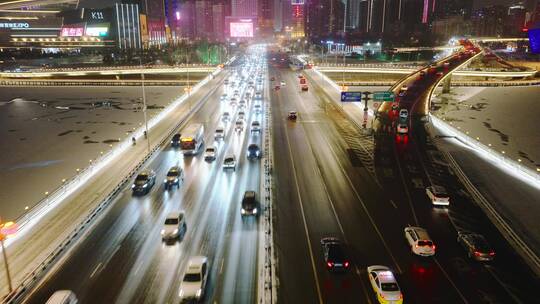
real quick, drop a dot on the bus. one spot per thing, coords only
(192, 139)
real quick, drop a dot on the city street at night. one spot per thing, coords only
(269, 151)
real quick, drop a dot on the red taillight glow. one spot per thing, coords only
(476, 253)
(401, 296)
(492, 253)
(433, 247)
(346, 264)
(330, 264)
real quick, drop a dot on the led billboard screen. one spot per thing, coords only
(534, 40)
(72, 31)
(241, 29)
(100, 30)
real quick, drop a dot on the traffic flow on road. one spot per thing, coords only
(357, 216)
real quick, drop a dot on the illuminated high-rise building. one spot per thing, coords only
(298, 19)
(244, 8)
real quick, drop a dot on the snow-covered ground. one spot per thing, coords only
(505, 118)
(47, 133)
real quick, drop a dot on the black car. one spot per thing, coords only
(175, 141)
(249, 203)
(476, 246)
(253, 151)
(334, 254)
(144, 182)
(174, 177)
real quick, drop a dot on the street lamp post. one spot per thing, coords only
(146, 135)
(7, 229)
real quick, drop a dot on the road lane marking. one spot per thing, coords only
(96, 269)
(304, 219)
(409, 199)
(365, 209)
(221, 267)
(358, 272)
(450, 280)
(335, 213)
(496, 277)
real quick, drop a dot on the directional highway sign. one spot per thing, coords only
(351, 96)
(383, 96)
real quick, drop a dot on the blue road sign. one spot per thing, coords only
(351, 96)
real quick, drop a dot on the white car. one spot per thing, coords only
(258, 108)
(402, 129)
(403, 114)
(210, 153)
(419, 241)
(384, 284)
(229, 162)
(175, 225)
(223, 97)
(194, 281)
(225, 117)
(255, 126)
(219, 134)
(438, 195)
(242, 115)
(239, 125)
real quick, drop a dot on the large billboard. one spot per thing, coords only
(97, 30)
(72, 31)
(241, 29)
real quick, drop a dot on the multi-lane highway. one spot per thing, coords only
(123, 259)
(332, 181)
(329, 180)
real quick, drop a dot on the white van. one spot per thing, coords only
(63, 297)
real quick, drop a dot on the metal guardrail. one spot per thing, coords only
(120, 67)
(502, 225)
(34, 275)
(370, 65)
(454, 83)
(90, 82)
(267, 275)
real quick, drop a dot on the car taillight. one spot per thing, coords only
(330, 264)
(476, 253)
(433, 247)
(346, 264)
(401, 296)
(492, 253)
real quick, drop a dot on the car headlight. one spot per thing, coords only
(165, 180)
(257, 153)
(181, 293)
(176, 180)
(175, 231)
(172, 141)
(145, 185)
(243, 211)
(255, 210)
(162, 231)
(198, 294)
(133, 186)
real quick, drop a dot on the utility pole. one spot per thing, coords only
(366, 99)
(146, 135)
